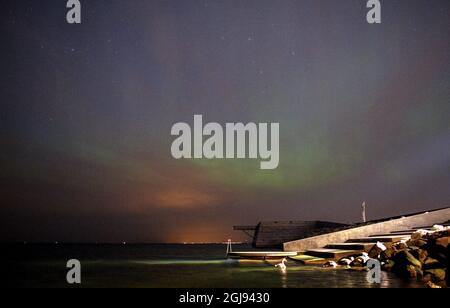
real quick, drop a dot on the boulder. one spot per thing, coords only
(438, 228)
(443, 241)
(427, 277)
(388, 253)
(448, 266)
(431, 263)
(401, 246)
(387, 266)
(437, 274)
(441, 257)
(417, 243)
(406, 265)
(431, 285)
(375, 252)
(419, 234)
(411, 270)
(420, 254)
(359, 262)
(404, 258)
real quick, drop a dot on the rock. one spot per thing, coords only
(405, 263)
(448, 266)
(388, 253)
(375, 252)
(361, 260)
(387, 267)
(431, 285)
(448, 276)
(438, 228)
(417, 243)
(331, 264)
(443, 241)
(431, 263)
(437, 274)
(346, 261)
(420, 254)
(402, 246)
(419, 234)
(358, 262)
(441, 257)
(411, 270)
(406, 258)
(427, 278)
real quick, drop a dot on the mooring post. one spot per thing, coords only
(229, 247)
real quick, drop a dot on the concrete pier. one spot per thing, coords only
(384, 231)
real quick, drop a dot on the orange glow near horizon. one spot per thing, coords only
(210, 233)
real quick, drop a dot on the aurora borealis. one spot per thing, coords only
(87, 112)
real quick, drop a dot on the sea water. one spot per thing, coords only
(172, 266)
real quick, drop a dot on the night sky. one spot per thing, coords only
(87, 110)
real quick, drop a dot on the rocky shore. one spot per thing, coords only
(424, 257)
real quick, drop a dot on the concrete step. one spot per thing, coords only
(382, 239)
(401, 232)
(351, 246)
(309, 260)
(429, 227)
(406, 233)
(335, 254)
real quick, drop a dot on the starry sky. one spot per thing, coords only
(86, 114)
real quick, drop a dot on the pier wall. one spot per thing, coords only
(272, 234)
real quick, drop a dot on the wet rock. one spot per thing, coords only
(388, 253)
(404, 258)
(419, 234)
(431, 263)
(437, 274)
(443, 241)
(417, 243)
(411, 271)
(375, 252)
(448, 266)
(441, 257)
(346, 261)
(358, 262)
(402, 246)
(427, 277)
(438, 228)
(387, 266)
(331, 264)
(420, 254)
(361, 260)
(431, 285)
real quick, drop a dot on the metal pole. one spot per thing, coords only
(364, 211)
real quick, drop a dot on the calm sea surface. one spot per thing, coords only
(173, 266)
